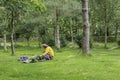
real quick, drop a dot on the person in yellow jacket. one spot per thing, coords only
(48, 52)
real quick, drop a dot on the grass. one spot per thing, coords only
(68, 64)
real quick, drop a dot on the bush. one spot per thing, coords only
(72, 45)
(118, 42)
(49, 41)
(63, 41)
(79, 41)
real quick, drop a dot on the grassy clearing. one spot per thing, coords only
(68, 65)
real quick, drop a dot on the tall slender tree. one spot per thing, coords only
(57, 34)
(86, 27)
(3, 26)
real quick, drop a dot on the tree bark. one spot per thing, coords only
(105, 22)
(105, 35)
(4, 35)
(71, 30)
(5, 42)
(116, 33)
(57, 36)
(12, 34)
(86, 28)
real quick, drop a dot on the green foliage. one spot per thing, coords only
(37, 6)
(15, 9)
(42, 30)
(79, 40)
(30, 14)
(48, 40)
(91, 43)
(27, 30)
(103, 15)
(63, 41)
(118, 42)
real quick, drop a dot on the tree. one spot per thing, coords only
(57, 35)
(103, 18)
(56, 11)
(16, 8)
(86, 27)
(64, 16)
(3, 25)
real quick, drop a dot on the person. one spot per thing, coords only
(48, 54)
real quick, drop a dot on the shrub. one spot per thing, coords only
(48, 40)
(79, 41)
(63, 41)
(118, 42)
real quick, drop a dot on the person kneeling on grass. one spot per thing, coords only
(48, 52)
(47, 55)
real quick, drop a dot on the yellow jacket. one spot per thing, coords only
(49, 51)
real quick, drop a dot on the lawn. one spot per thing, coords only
(69, 64)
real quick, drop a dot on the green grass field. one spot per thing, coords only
(68, 64)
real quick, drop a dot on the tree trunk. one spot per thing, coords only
(12, 34)
(105, 22)
(105, 35)
(71, 30)
(5, 42)
(57, 36)
(86, 28)
(116, 33)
